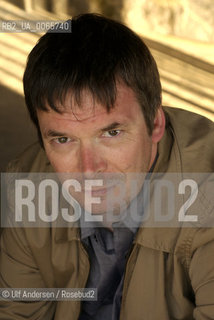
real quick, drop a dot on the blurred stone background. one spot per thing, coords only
(180, 34)
(191, 19)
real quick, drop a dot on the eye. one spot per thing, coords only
(62, 140)
(111, 133)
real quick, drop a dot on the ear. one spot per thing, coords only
(159, 125)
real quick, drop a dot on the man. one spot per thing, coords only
(95, 98)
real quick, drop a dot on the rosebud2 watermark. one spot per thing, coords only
(41, 200)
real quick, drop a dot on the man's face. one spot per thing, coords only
(94, 142)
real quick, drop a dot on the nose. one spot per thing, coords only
(92, 161)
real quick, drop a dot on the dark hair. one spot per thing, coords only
(94, 56)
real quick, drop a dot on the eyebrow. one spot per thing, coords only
(112, 126)
(53, 133)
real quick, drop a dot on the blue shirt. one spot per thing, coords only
(108, 252)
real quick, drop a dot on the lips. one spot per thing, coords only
(98, 192)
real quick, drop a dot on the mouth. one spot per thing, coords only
(98, 192)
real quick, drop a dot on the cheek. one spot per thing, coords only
(133, 158)
(58, 162)
(62, 160)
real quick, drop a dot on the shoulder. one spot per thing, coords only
(32, 159)
(194, 136)
(187, 124)
(181, 118)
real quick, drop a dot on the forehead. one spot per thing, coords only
(126, 105)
